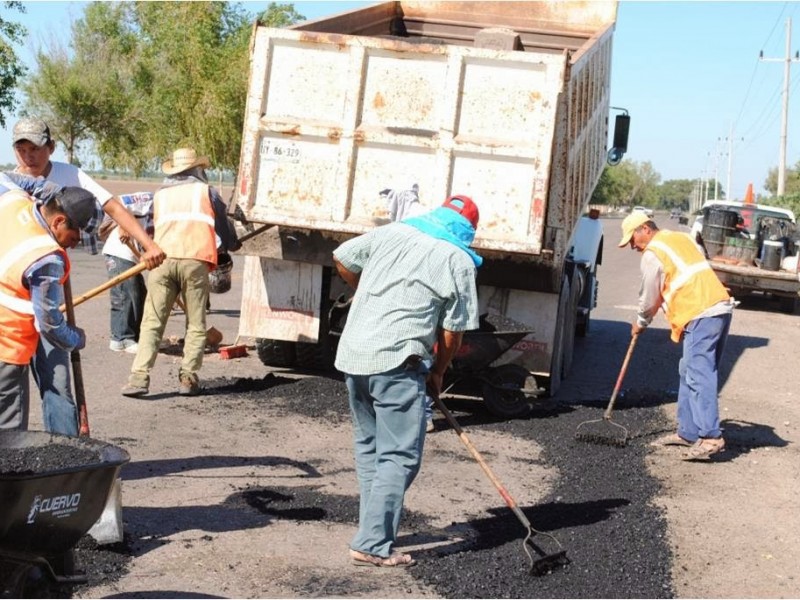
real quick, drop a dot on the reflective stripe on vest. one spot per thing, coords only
(23, 241)
(690, 284)
(184, 222)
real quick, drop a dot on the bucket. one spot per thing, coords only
(220, 278)
(771, 255)
(718, 223)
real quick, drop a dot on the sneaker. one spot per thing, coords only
(189, 386)
(117, 345)
(430, 427)
(135, 391)
(131, 347)
(705, 448)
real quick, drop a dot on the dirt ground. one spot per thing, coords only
(732, 524)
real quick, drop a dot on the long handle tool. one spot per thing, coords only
(77, 373)
(606, 431)
(545, 562)
(106, 286)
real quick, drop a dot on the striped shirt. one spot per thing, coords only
(411, 285)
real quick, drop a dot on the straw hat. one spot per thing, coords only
(182, 160)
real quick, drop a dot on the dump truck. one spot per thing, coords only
(506, 102)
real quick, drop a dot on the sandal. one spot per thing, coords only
(705, 448)
(396, 559)
(673, 439)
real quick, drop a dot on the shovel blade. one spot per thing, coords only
(108, 528)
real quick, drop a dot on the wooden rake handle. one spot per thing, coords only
(77, 372)
(105, 286)
(620, 377)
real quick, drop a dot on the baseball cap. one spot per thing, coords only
(32, 129)
(78, 205)
(630, 224)
(464, 206)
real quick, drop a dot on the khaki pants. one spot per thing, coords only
(164, 284)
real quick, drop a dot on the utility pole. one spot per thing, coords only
(730, 141)
(787, 60)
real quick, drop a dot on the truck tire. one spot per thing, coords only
(570, 318)
(276, 353)
(788, 304)
(315, 356)
(502, 392)
(557, 355)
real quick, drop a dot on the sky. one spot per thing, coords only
(702, 103)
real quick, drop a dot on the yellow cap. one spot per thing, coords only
(630, 224)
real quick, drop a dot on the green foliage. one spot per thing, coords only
(792, 181)
(628, 183)
(11, 67)
(144, 78)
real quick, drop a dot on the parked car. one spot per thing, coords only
(648, 211)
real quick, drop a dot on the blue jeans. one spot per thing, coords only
(698, 406)
(127, 300)
(388, 412)
(51, 368)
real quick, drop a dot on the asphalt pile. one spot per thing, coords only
(601, 509)
(43, 459)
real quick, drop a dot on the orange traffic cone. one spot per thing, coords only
(748, 196)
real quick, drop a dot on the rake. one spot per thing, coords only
(606, 431)
(543, 561)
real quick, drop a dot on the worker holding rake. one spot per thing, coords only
(677, 277)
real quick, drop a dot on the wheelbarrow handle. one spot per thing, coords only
(105, 286)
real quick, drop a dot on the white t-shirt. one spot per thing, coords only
(66, 174)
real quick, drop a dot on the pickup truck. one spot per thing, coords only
(758, 252)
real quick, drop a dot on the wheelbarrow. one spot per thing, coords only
(46, 512)
(506, 389)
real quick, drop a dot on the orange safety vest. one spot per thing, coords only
(690, 285)
(184, 222)
(23, 241)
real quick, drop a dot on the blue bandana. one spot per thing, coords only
(447, 225)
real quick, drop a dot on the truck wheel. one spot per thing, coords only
(788, 304)
(502, 392)
(570, 318)
(315, 357)
(276, 353)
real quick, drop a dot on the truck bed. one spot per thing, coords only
(753, 278)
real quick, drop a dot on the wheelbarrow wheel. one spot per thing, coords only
(502, 392)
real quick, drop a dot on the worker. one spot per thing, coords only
(121, 254)
(415, 286)
(189, 216)
(33, 146)
(677, 277)
(34, 269)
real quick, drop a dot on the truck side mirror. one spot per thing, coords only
(622, 125)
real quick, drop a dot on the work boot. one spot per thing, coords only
(190, 386)
(138, 385)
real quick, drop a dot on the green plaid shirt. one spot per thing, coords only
(411, 286)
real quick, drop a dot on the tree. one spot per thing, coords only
(792, 180)
(11, 68)
(626, 184)
(173, 74)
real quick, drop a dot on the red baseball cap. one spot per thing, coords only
(464, 206)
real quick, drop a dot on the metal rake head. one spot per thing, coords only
(602, 431)
(545, 562)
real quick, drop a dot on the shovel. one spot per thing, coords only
(105, 286)
(545, 562)
(108, 528)
(606, 431)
